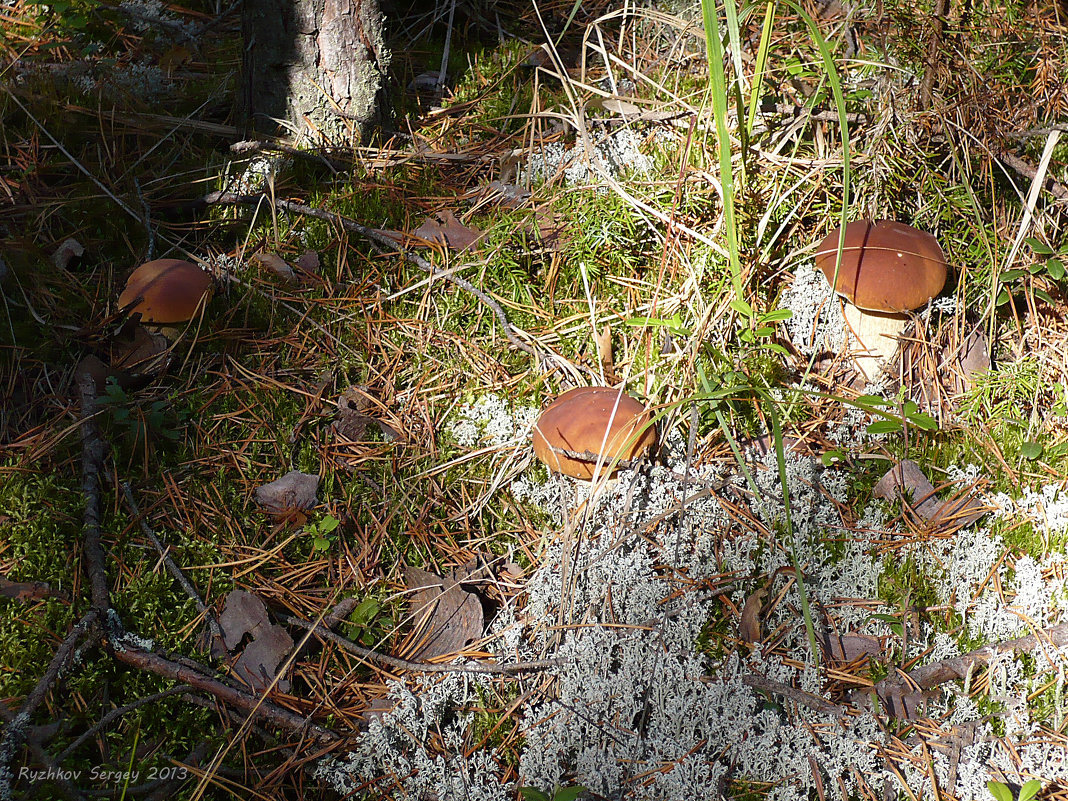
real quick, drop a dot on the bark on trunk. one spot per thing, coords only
(312, 69)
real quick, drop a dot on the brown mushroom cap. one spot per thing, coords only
(171, 290)
(577, 422)
(886, 266)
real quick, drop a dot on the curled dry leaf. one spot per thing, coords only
(448, 618)
(243, 614)
(309, 263)
(139, 352)
(68, 250)
(444, 228)
(376, 710)
(246, 615)
(850, 647)
(749, 624)
(430, 81)
(277, 265)
(966, 360)
(507, 194)
(353, 420)
(27, 590)
(295, 491)
(258, 663)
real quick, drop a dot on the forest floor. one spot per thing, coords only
(419, 609)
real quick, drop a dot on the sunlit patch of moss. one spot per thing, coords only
(498, 81)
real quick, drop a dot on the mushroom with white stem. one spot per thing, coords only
(586, 432)
(887, 270)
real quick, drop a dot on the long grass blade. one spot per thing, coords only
(761, 65)
(717, 74)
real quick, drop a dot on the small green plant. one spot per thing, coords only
(910, 413)
(759, 329)
(141, 424)
(1052, 267)
(1001, 792)
(322, 533)
(369, 622)
(559, 794)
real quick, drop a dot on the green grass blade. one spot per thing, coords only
(839, 102)
(780, 458)
(761, 65)
(714, 49)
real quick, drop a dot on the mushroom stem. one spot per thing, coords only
(876, 335)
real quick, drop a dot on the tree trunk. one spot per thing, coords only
(312, 69)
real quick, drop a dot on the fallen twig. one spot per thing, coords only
(66, 786)
(130, 654)
(115, 714)
(810, 700)
(172, 567)
(422, 667)
(1028, 170)
(895, 687)
(85, 631)
(255, 146)
(92, 461)
(89, 629)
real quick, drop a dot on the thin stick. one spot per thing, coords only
(172, 567)
(66, 786)
(928, 676)
(88, 630)
(114, 714)
(810, 700)
(421, 667)
(129, 653)
(92, 461)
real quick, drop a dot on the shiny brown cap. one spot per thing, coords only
(886, 266)
(171, 290)
(577, 422)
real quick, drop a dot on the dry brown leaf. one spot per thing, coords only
(444, 228)
(138, 351)
(352, 419)
(964, 362)
(907, 480)
(258, 663)
(850, 647)
(376, 710)
(27, 590)
(749, 623)
(277, 265)
(508, 194)
(100, 373)
(551, 230)
(906, 703)
(243, 614)
(309, 263)
(448, 617)
(246, 615)
(295, 491)
(68, 250)
(174, 57)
